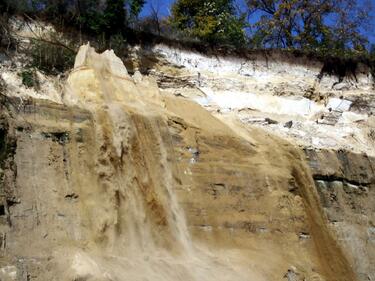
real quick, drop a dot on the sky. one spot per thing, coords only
(163, 7)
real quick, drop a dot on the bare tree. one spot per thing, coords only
(155, 14)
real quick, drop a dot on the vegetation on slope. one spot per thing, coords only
(328, 30)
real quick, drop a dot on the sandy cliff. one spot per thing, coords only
(188, 173)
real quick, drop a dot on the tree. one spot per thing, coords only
(13, 7)
(136, 7)
(152, 22)
(109, 16)
(213, 21)
(309, 24)
(89, 16)
(114, 16)
(53, 8)
(372, 50)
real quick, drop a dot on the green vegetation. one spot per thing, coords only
(320, 25)
(326, 29)
(52, 54)
(212, 21)
(3, 86)
(305, 24)
(29, 78)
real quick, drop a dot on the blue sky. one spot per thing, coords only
(163, 6)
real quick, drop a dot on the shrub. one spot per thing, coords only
(118, 44)
(52, 54)
(7, 40)
(3, 85)
(29, 78)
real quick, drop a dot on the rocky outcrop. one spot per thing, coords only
(345, 182)
(326, 110)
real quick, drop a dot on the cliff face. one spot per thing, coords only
(198, 171)
(345, 183)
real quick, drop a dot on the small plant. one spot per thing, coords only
(117, 43)
(3, 85)
(52, 54)
(29, 78)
